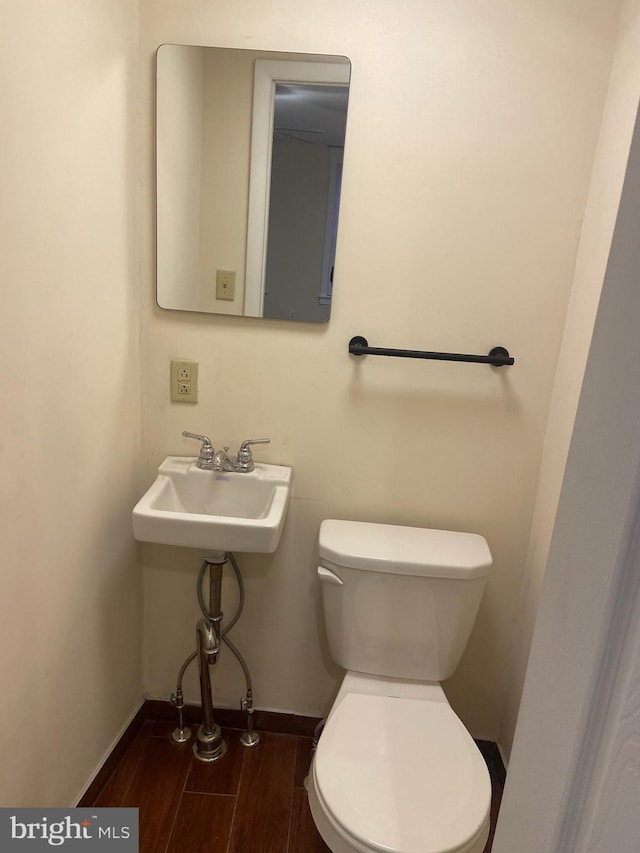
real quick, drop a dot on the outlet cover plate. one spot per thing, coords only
(184, 381)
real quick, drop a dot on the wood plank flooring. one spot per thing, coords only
(252, 801)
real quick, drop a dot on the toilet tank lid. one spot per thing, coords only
(404, 550)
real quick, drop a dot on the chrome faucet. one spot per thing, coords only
(209, 460)
(207, 453)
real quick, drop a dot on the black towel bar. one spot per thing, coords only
(498, 356)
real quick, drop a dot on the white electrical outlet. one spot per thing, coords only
(184, 381)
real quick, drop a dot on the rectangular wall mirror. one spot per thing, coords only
(249, 168)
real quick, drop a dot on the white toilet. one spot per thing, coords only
(395, 770)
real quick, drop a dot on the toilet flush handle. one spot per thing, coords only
(327, 576)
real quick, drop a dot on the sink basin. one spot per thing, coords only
(213, 510)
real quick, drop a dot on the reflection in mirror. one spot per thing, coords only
(249, 167)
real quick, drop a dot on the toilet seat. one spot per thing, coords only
(402, 775)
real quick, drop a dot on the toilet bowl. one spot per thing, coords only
(395, 770)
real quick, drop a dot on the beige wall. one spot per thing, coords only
(593, 254)
(69, 412)
(470, 141)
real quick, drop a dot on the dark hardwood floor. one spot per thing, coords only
(252, 801)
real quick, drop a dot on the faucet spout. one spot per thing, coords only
(223, 462)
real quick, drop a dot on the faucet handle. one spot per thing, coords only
(245, 460)
(205, 460)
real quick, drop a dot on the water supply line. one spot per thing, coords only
(182, 733)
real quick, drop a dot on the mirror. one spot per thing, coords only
(249, 169)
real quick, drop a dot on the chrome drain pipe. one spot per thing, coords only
(209, 745)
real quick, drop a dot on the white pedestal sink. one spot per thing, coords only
(214, 511)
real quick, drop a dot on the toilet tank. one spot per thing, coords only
(400, 602)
